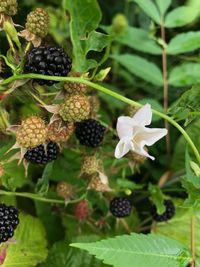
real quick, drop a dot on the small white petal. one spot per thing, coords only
(124, 126)
(139, 149)
(149, 136)
(123, 147)
(143, 116)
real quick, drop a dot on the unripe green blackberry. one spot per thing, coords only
(119, 23)
(38, 22)
(32, 132)
(75, 108)
(94, 105)
(64, 190)
(90, 165)
(8, 7)
(72, 88)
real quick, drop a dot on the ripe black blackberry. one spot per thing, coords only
(41, 154)
(120, 207)
(89, 132)
(165, 216)
(48, 61)
(8, 222)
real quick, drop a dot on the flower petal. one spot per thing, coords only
(149, 136)
(123, 147)
(124, 126)
(139, 149)
(143, 116)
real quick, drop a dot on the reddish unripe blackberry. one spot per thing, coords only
(81, 210)
(120, 207)
(42, 154)
(90, 132)
(52, 61)
(167, 214)
(8, 222)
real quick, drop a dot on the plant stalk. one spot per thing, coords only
(165, 86)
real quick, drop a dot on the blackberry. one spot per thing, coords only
(8, 222)
(165, 216)
(120, 207)
(41, 154)
(89, 132)
(47, 61)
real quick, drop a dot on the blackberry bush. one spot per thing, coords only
(52, 61)
(8, 222)
(42, 154)
(90, 132)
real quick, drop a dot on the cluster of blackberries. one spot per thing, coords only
(168, 213)
(42, 154)
(120, 207)
(50, 61)
(89, 132)
(8, 222)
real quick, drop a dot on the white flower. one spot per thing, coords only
(133, 134)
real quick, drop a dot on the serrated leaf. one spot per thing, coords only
(185, 74)
(163, 5)
(184, 42)
(178, 160)
(181, 16)
(187, 105)
(179, 228)
(139, 39)
(59, 256)
(139, 250)
(30, 247)
(150, 9)
(85, 17)
(140, 67)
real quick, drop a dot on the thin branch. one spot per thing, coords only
(165, 86)
(108, 92)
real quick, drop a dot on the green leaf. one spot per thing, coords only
(13, 179)
(59, 256)
(178, 159)
(184, 42)
(84, 38)
(139, 39)
(185, 74)
(139, 250)
(43, 183)
(163, 5)
(181, 16)
(157, 197)
(179, 228)
(140, 67)
(187, 107)
(30, 247)
(150, 9)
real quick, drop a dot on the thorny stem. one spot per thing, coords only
(108, 92)
(165, 85)
(39, 198)
(192, 264)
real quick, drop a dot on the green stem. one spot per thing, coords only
(108, 92)
(39, 198)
